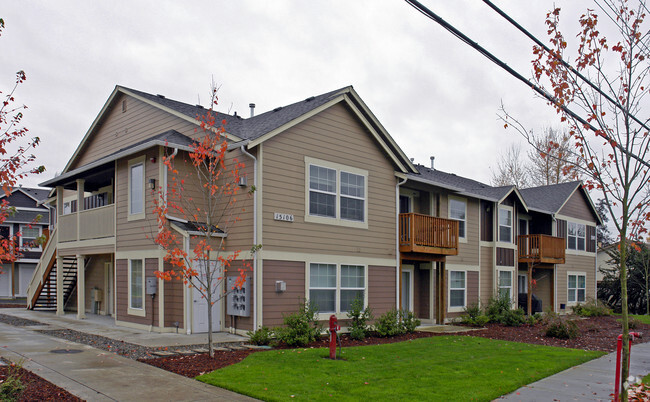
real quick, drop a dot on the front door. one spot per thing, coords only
(200, 306)
(407, 288)
(108, 285)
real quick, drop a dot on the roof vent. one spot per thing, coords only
(199, 106)
(433, 158)
(311, 98)
(161, 96)
(412, 160)
(252, 106)
(277, 109)
(235, 115)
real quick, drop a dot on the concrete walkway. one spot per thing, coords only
(95, 375)
(591, 381)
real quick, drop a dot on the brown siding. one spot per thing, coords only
(122, 293)
(590, 239)
(336, 136)
(505, 257)
(173, 300)
(381, 289)
(487, 217)
(119, 130)
(561, 228)
(276, 304)
(472, 292)
(422, 288)
(131, 235)
(487, 274)
(577, 206)
(242, 323)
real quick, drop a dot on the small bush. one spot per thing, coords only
(557, 327)
(388, 324)
(592, 308)
(408, 321)
(300, 328)
(359, 317)
(513, 318)
(632, 323)
(473, 316)
(12, 386)
(261, 336)
(533, 319)
(496, 307)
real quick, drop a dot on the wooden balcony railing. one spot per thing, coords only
(427, 234)
(538, 248)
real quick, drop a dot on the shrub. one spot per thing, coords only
(557, 327)
(513, 318)
(301, 327)
(408, 322)
(592, 308)
(12, 386)
(388, 324)
(496, 307)
(359, 317)
(473, 316)
(261, 336)
(632, 323)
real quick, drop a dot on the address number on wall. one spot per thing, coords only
(282, 217)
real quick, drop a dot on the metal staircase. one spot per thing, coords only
(46, 299)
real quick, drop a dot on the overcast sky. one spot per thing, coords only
(434, 94)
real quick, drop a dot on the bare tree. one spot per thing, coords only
(552, 160)
(511, 168)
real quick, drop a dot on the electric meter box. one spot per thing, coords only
(151, 286)
(238, 301)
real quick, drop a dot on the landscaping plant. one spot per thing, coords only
(12, 386)
(497, 307)
(359, 317)
(558, 327)
(300, 327)
(261, 336)
(408, 321)
(592, 308)
(388, 324)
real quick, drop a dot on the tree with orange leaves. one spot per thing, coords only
(602, 98)
(204, 199)
(15, 158)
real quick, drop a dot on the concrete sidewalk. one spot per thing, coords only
(591, 381)
(96, 375)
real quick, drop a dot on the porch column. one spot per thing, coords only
(59, 285)
(81, 287)
(80, 204)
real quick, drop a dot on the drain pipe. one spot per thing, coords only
(255, 268)
(398, 257)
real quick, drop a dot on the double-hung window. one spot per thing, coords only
(336, 194)
(333, 287)
(458, 211)
(576, 288)
(457, 289)
(28, 237)
(505, 284)
(136, 286)
(136, 188)
(576, 236)
(505, 225)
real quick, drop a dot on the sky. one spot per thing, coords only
(435, 95)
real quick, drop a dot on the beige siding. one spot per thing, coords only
(122, 293)
(276, 304)
(487, 274)
(576, 263)
(120, 129)
(543, 286)
(334, 136)
(131, 235)
(578, 207)
(381, 289)
(467, 250)
(94, 277)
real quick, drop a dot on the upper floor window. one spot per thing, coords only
(28, 237)
(458, 211)
(336, 193)
(505, 225)
(136, 188)
(576, 236)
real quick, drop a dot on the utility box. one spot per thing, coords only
(238, 300)
(96, 294)
(151, 286)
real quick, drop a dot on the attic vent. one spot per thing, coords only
(124, 106)
(311, 98)
(277, 109)
(161, 96)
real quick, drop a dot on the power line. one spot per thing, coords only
(431, 15)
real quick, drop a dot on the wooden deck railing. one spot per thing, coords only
(428, 234)
(542, 249)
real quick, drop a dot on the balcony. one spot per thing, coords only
(89, 224)
(538, 248)
(427, 234)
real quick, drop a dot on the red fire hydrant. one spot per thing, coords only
(334, 326)
(619, 347)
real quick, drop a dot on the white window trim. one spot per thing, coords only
(411, 271)
(524, 275)
(576, 274)
(337, 299)
(512, 284)
(337, 220)
(134, 162)
(576, 236)
(449, 289)
(512, 220)
(462, 239)
(40, 233)
(130, 310)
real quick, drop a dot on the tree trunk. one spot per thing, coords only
(625, 372)
(209, 301)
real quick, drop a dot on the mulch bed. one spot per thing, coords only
(38, 389)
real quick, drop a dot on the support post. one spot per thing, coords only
(59, 285)
(80, 205)
(529, 297)
(81, 287)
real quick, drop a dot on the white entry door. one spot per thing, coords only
(407, 287)
(200, 307)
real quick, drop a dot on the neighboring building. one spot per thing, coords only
(29, 222)
(340, 211)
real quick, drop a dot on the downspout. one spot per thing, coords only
(398, 258)
(554, 233)
(255, 268)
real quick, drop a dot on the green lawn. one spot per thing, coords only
(440, 368)
(645, 319)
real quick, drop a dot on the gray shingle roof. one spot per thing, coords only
(29, 217)
(549, 198)
(249, 128)
(39, 194)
